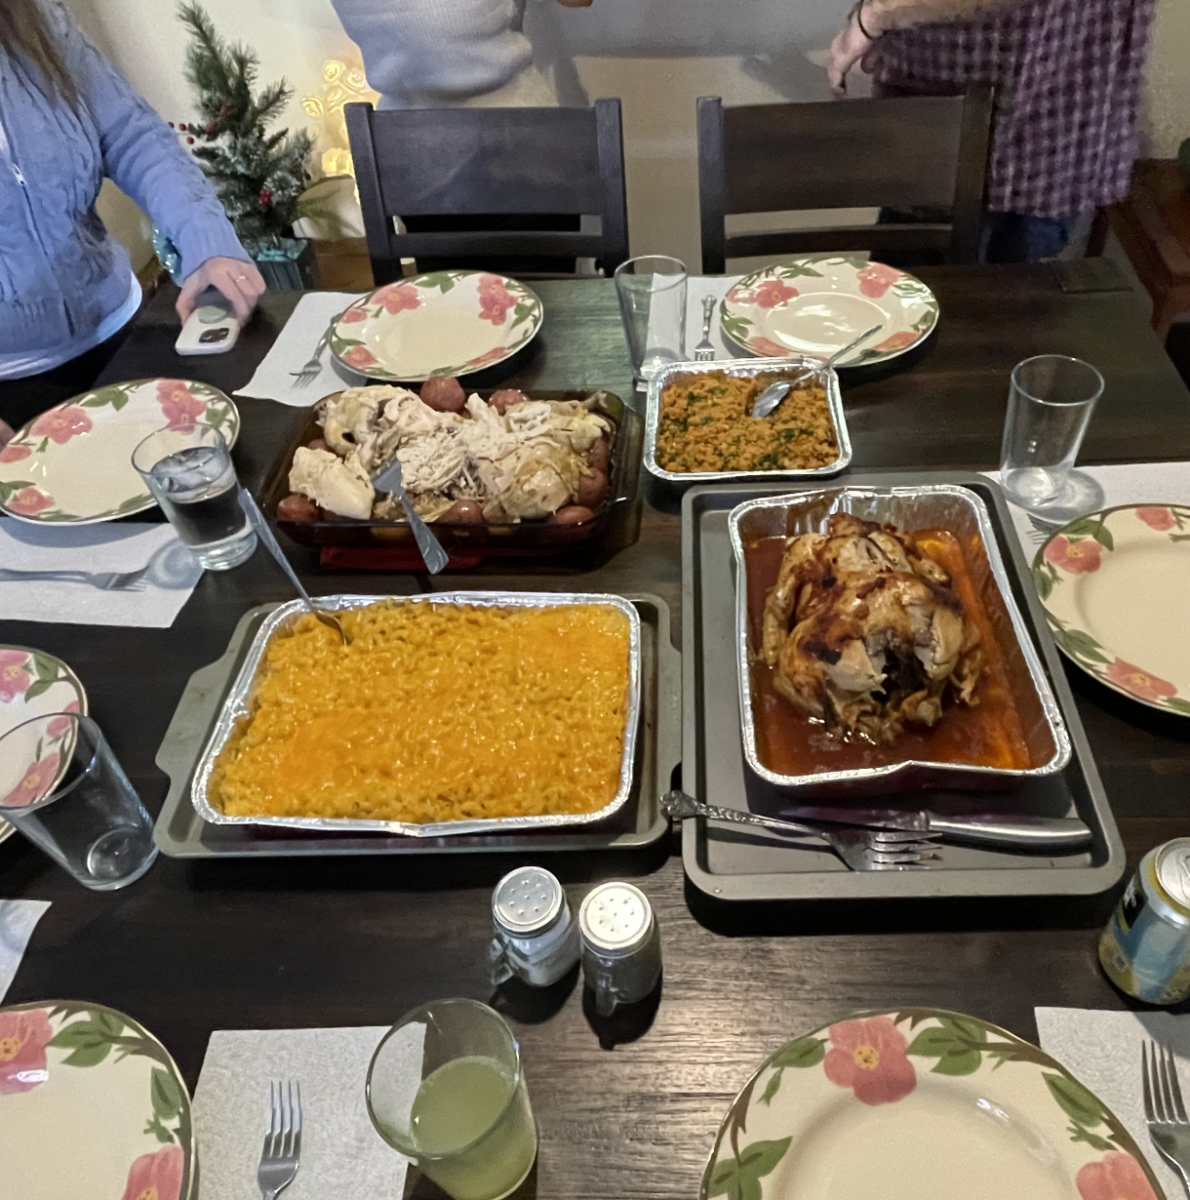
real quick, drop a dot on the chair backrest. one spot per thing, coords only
(888, 153)
(486, 162)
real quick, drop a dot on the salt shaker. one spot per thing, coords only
(621, 945)
(536, 939)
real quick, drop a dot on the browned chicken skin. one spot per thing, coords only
(865, 632)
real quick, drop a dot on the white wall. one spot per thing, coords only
(1168, 100)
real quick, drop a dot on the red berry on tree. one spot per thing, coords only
(265, 198)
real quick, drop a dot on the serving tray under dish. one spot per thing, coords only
(182, 833)
(728, 863)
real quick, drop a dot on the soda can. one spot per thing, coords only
(1145, 948)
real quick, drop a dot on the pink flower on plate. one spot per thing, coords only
(59, 725)
(773, 293)
(738, 294)
(179, 404)
(28, 502)
(1160, 519)
(397, 297)
(868, 1056)
(1116, 1176)
(875, 279)
(494, 299)
(1078, 558)
(61, 424)
(897, 341)
(14, 453)
(353, 314)
(15, 676)
(39, 778)
(768, 348)
(156, 1176)
(1138, 681)
(23, 1038)
(488, 356)
(359, 356)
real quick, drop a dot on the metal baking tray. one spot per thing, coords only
(927, 506)
(181, 833)
(745, 368)
(728, 863)
(239, 705)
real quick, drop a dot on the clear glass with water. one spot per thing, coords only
(192, 477)
(61, 786)
(1050, 403)
(652, 292)
(446, 1088)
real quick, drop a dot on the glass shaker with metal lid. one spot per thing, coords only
(535, 936)
(621, 945)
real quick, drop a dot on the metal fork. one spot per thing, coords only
(313, 368)
(1165, 1114)
(107, 581)
(282, 1140)
(1041, 530)
(705, 350)
(860, 849)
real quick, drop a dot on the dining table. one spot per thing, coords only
(627, 1107)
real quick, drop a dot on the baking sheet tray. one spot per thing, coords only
(728, 863)
(963, 513)
(746, 368)
(181, 832)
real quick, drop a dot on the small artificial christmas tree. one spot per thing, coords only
(259, 176)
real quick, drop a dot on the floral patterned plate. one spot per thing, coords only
(443, 323)
(91, 1105)
(73, 464)
(817, 304)
(919, 1104)
(1114, 585)
(32, 684)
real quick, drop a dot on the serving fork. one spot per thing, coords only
(282, 1148)
(1165, 1113)
(860, 849)
(107, 581)
(705, 350)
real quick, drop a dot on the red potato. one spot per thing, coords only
(444, 393)
(505, 398)
(599, 454)
(463, 512)
(318, 444)
(592, 489)
(572, 514)
(296, 507)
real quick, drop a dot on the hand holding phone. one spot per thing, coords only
(211, 328)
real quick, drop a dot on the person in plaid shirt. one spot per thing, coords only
(1068, 76)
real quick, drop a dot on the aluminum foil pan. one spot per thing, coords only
(935, 506)
(745, 368)
(238, 704)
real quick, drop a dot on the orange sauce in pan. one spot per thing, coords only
(989, 734)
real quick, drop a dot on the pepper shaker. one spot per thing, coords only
(621, 945)
(535, 936)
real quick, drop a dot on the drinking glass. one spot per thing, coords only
(1049, 406)
(463, 1116)
(652, 292)
(61, 786)
(191, 474)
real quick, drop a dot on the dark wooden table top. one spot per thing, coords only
(623, 1111)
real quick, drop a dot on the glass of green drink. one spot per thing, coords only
(464, 1117)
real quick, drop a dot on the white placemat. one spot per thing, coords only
(17, 919)
(171, 577)
(1102, 1049)
(292, 350)
(342, 1155)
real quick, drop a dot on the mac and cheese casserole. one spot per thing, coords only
(434, 713)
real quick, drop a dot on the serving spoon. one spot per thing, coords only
(772, 395)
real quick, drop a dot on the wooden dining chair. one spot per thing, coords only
(485, 168)
(887, 153)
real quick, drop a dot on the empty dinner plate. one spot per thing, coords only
(818, 304)
(442, 323)
(920, 1104)
(1114, 586)
(91, 1105)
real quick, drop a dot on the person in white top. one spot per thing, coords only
(448, 53)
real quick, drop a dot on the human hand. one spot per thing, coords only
(239, 281)
(848, 48)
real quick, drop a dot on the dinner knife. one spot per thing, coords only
(1065, 834)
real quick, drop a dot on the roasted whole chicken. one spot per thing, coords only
(865, 632)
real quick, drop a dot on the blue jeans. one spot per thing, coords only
(1015, 237)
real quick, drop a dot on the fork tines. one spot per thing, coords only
(282, 1139)
(1162, 1092)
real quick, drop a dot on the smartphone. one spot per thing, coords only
(211, 328)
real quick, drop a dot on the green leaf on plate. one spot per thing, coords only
(1042, 581)
(1079, 1134)
(158, 1130)
(1074, 1099)
(858, 261)
(805, 1052)
(89, 1054)
(119, 401)
(772, 1087)
(1083, 645)
(10, 489)
(44, 667)
(797, 271)
(38, 688)
(117, 397)
(955, 1043)
(964, 1063)
(1103, 536)
(1082, 528)
(442, 280)
(1178, 705)
(736, 327)
(166, 1095)
(107, 1022)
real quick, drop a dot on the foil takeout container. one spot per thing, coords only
(746, 368)
(934, 506)
(239, 704)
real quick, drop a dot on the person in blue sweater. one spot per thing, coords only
(67, 120)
